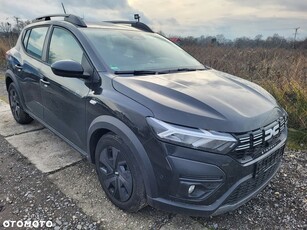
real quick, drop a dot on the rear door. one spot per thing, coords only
(28, 69)
(64, 97)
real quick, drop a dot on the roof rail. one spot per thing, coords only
(73, 19)
(138, 25)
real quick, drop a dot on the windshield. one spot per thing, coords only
(125, 51)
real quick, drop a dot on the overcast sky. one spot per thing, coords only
(233, 18)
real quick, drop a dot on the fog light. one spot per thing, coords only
(191, 189)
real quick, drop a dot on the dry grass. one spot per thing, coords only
(282, 72)
(4, 46)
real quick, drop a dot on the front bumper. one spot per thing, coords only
(206, 210)
(233, 184)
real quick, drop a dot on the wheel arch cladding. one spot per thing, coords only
(8, 81)
(104, 124)
(11, 78)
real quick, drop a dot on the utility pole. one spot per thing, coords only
(295, 33)
(17, 19)
(17, 23)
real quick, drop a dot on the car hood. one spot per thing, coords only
(207, 99)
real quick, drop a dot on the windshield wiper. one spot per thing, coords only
(180, 70)
(136, 72)
(152, 72)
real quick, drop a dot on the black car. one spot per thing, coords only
(161, 128)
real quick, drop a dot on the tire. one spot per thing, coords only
(119, 174)
(18, 113)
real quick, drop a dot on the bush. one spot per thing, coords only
(6, 41)
(3, 48)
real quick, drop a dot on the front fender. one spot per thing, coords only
(116, 126)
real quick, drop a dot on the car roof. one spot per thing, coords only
(79, 22)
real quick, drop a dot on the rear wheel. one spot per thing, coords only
(119, 174)
(18, 113)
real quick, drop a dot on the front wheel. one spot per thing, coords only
(18, 113)
(119, 173)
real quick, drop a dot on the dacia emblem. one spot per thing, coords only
(272, 132)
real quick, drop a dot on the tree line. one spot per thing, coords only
(274, 41)
(13, 27)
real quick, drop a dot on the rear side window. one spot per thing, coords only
(36, 40)
(64, 46)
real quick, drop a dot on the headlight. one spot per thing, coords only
(194, 138)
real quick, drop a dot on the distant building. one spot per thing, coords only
(176, 40)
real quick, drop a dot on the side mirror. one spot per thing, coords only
(68, 68)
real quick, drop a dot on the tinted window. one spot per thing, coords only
(36, 41)
(63, 46)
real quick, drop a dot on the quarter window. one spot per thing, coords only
(63, 46)
(36, 41)
(26, 38)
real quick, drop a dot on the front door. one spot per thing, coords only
(64, 97)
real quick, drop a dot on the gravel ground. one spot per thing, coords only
(27, 194)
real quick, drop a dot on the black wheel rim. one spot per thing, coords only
(14, 103)
(115, 174)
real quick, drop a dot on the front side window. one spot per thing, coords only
(63, 46)
(35, 43)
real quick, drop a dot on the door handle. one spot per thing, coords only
(44, 82)
(18, 67)
(93, 101)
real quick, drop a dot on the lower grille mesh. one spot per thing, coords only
(263, 172)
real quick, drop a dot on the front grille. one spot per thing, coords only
(267, 162)
(255, 143)
(264, 169)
